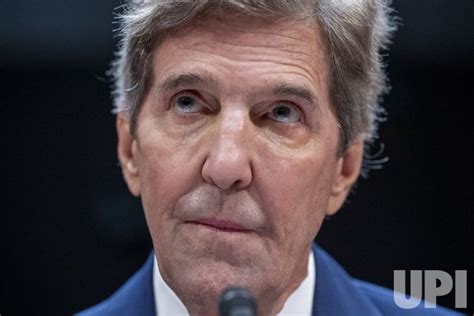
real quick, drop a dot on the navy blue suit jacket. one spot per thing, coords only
(335, 293)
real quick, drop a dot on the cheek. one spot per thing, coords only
(297, 191)
(168, 170)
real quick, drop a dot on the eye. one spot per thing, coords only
(186, 103)
(284, 113)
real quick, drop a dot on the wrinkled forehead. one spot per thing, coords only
(231, 27)
(290, 48)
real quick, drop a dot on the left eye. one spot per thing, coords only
(284, 113)
(187, 104)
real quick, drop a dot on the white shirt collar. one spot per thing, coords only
(300, 302)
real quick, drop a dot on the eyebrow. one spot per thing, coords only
(175, 81)
(285, 89)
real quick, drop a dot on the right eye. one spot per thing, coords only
(186, 103)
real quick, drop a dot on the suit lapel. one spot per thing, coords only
(335, 293)
(137, 297)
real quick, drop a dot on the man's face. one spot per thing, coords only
(234, 157)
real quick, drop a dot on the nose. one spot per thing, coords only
(228, 163)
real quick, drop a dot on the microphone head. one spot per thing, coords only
(237, 301)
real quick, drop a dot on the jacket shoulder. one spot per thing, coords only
(337, 293)
(135, 297)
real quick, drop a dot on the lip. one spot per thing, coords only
(223, 225)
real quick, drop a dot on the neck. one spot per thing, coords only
(271, 299)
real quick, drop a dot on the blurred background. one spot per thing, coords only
(73, 233)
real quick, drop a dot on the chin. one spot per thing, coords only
(202, 284)
(201, 266)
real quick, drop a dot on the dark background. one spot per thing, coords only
(73, 234)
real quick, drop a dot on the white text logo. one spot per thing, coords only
(437, 283)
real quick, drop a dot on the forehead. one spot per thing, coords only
(229, 28)
(243, 48)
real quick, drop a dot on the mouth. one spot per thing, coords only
(221, 225)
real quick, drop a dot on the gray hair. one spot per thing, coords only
(354, 33)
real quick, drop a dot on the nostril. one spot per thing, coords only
(237, 184)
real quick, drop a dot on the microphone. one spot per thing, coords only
(237, 301)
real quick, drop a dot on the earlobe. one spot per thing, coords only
(347, 172)
(127, 154)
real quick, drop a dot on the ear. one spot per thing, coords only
(127, 154)
(347, 172)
